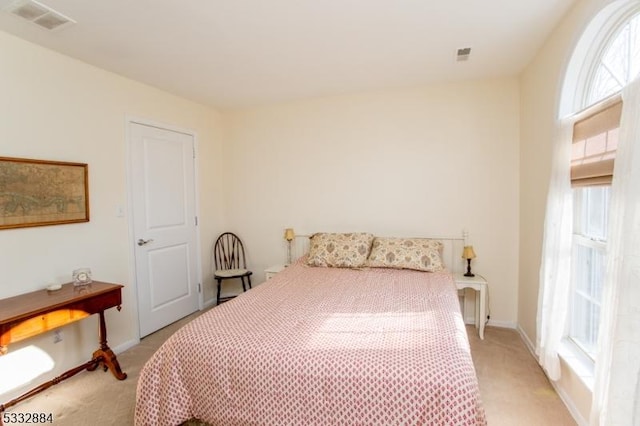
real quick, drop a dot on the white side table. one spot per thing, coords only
(480, 285)
(271, 271)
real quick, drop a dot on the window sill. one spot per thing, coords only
(581, 365)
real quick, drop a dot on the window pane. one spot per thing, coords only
(588, 265)
(584, 324)
(598, 265)
(588, 277)
(596, 219)
(634, 51)
(617, 56)
(578, 318)
(603, 85)
(619, 64)
(593, 212)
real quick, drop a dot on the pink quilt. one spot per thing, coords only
(320, 346)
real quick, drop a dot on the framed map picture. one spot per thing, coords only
(39, 193)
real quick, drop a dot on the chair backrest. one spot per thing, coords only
(228, 252)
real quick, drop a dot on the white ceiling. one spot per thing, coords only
(238, 53)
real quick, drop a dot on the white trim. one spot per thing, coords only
(503, 324)
(196, 178)
(492, 323)
(580, 364)
(209, 303)
(133, 291)
(126, 346)
(568, 402)
(159, 125)
(597, 107)
(467, 320)
(589, 242)
(527, 342)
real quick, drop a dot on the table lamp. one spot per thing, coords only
(289, 235)
(468, 253)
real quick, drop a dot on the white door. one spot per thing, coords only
(164, 225)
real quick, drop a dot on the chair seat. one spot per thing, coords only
(229, 273)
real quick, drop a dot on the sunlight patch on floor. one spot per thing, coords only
(22, 366)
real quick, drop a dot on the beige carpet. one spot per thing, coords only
(514, 390)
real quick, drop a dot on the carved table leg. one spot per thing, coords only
(105, 355)
(88, 365)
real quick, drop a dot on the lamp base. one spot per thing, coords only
(469, 274)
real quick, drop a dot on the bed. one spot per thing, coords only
(320, 346)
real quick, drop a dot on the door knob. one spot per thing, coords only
(142, 242)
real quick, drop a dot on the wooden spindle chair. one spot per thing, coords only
(230, 261)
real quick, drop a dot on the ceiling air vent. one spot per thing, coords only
(463, 54)
(39, 14)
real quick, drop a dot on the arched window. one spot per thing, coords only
(619, 62)
(608, 56)
(604, 61)
(600, 86)
(605, 58)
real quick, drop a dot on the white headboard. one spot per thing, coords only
(451, 253)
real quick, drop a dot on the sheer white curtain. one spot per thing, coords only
(616, 399)
(556, 255)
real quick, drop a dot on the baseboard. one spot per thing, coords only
(493, 323)
(502, 324)
(209, 303)
(126, 345)
(566, 400)
(527, 342)
(573, 410)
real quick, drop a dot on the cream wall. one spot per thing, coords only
(425, 161)
(541, 85)
(53, 107)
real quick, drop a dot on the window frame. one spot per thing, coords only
(598, 41)
(579, 73)
(581, 238)
(599, 45)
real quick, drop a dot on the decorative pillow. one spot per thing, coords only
(421, 254)
(339, 250)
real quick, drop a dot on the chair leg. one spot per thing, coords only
(218, 297)
(249, 279)
(244, 287)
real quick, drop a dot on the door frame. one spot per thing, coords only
(131, 238)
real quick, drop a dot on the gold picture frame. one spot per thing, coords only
(41, 193)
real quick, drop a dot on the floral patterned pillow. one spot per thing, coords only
(421, 254)
(339, 250)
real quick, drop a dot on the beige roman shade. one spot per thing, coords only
(595, 139)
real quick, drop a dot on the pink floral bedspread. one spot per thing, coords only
(320, 346)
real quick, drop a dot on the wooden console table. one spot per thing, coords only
(33, 313)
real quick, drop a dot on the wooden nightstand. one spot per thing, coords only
(271, 271)
(481, 286)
